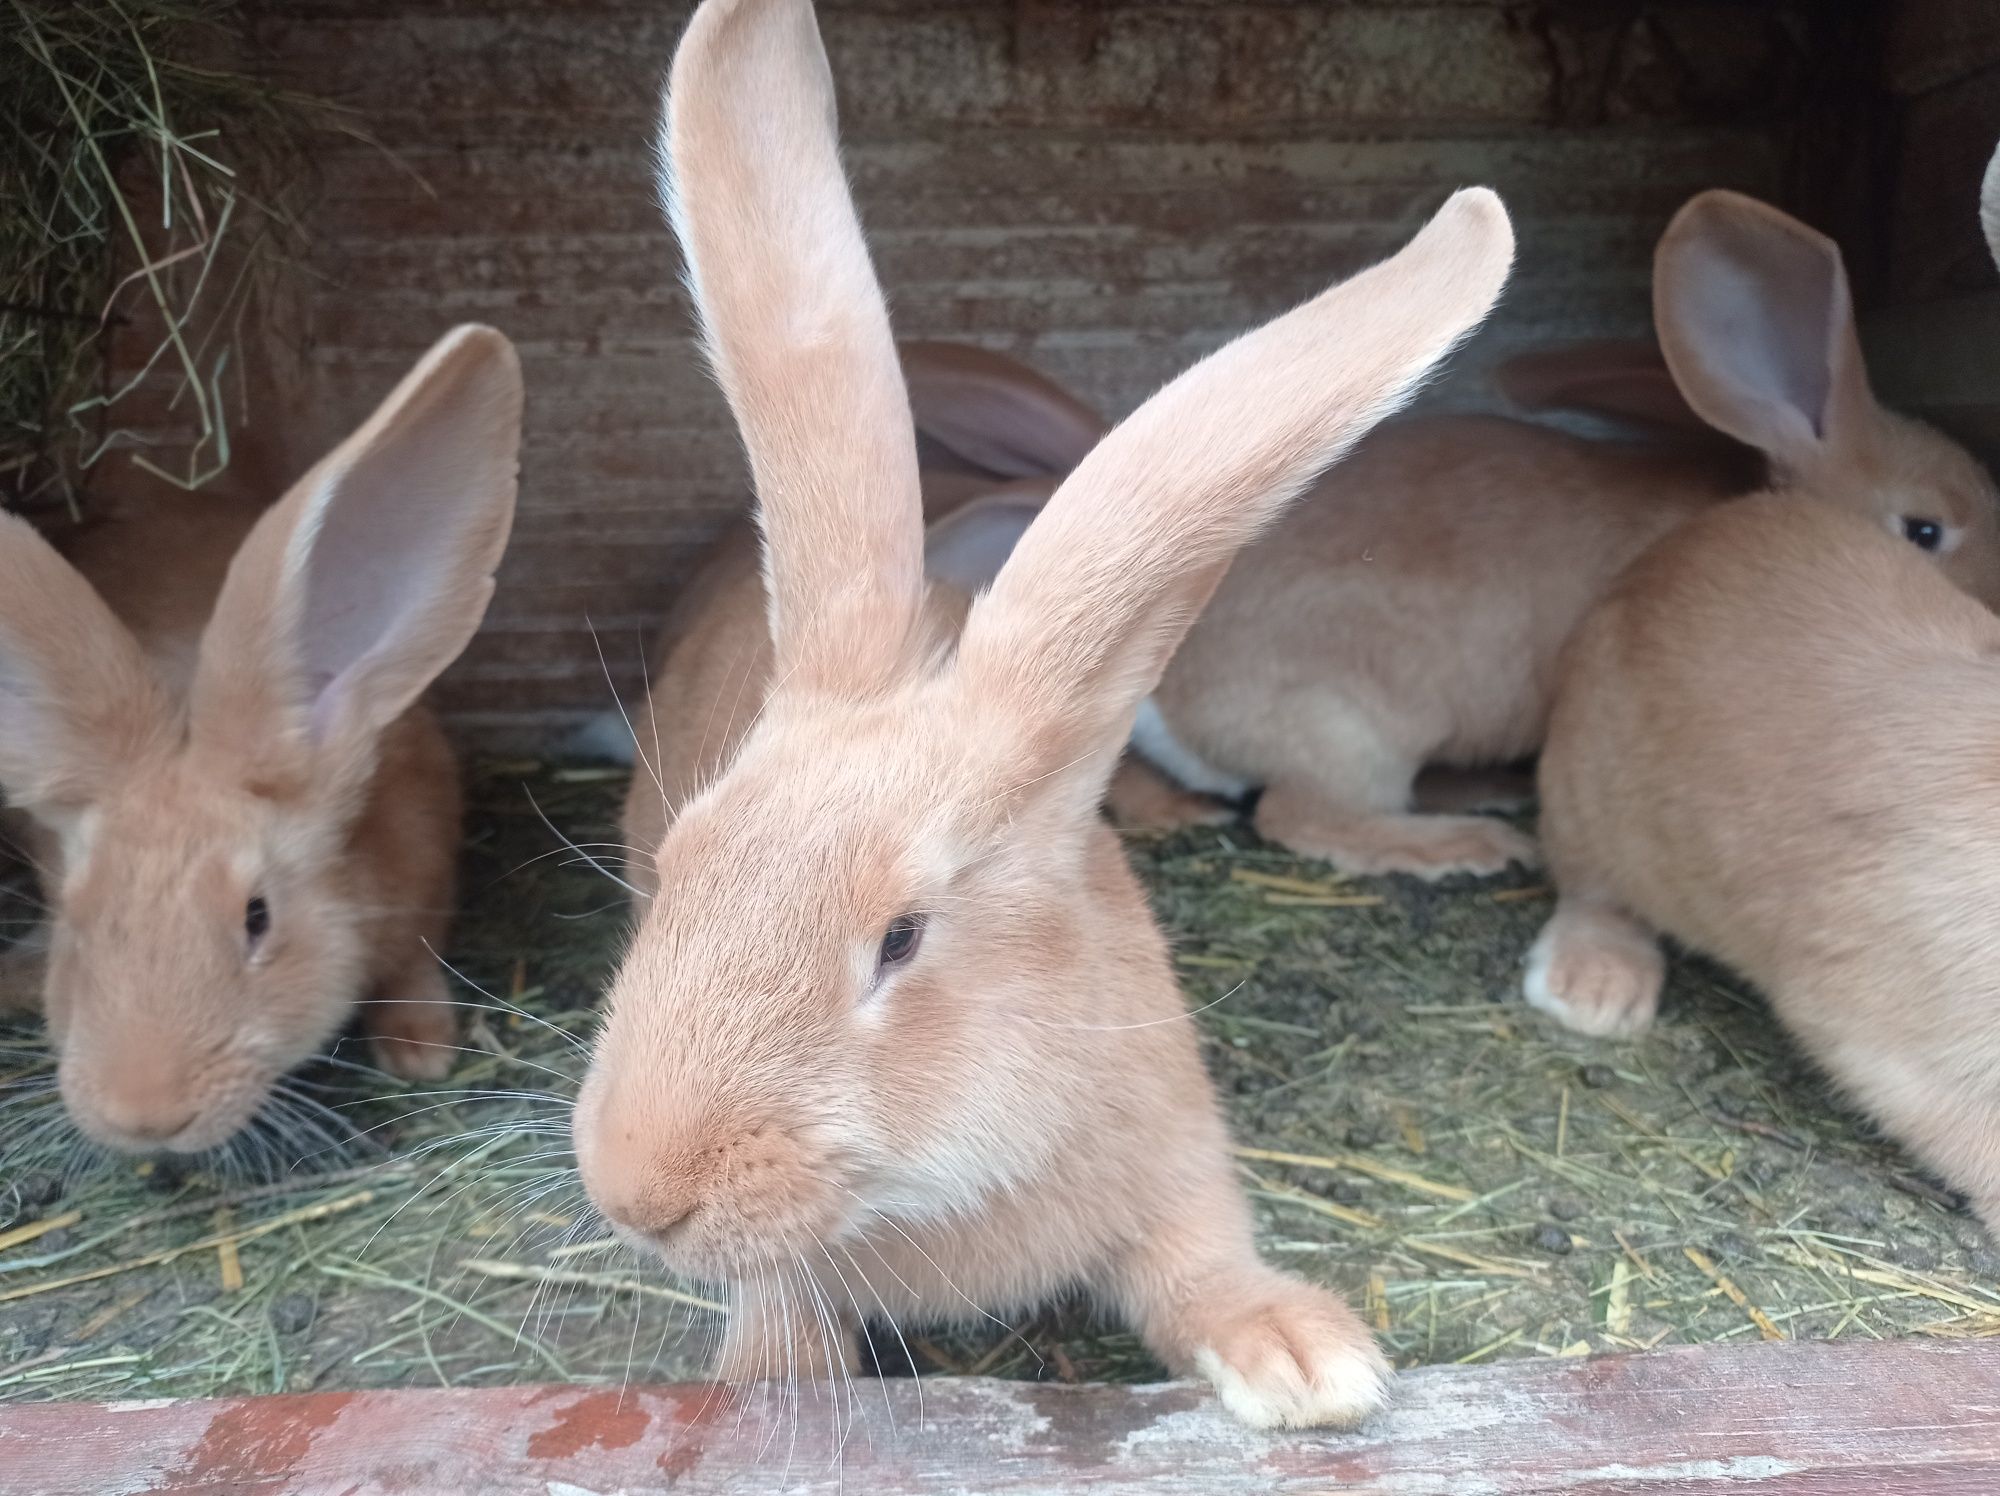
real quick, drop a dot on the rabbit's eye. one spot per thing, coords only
(1925, 534)
(901, 942)
(256, 920)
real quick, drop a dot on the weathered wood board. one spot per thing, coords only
(1828, 1419)
(1106, 188)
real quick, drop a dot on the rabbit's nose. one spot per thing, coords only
(641, 1196)
(639, 1187)
(137, 1123)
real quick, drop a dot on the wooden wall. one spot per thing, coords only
(1934, 343)
(1107, 188)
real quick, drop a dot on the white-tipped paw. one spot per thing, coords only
(1596, 972)
(1305, 1361)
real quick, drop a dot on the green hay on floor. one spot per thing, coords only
(1480, 1182)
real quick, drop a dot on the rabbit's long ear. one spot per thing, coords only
(1617, 379)
(799, 338)
(369, 577)
(77, 698)
(1756, 323)
(1083, 617)
(1989, 207)
(993, 415)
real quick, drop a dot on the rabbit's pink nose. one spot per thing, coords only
(641, 1198)
(638, 1188)
(133, 1122)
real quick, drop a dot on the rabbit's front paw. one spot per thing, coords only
(1595, 971)
(414, 1039)
(1301, 1359)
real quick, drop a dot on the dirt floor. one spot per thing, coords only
(1484, 1183)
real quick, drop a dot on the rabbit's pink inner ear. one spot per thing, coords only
(995, 415)
(364, 582)
(1757, 325)
(77, 697)
(1989, 207)
(798, 333)
(1619, 379)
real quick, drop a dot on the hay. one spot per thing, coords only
(1482, 1184)
(127, 170)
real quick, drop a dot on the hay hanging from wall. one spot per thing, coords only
(133, 234)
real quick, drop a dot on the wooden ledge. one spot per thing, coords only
(1832, 1419)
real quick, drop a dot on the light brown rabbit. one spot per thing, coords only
(246, 822)
(1778, 740)
(1411, 610)
(993, 439)
(905, 1040)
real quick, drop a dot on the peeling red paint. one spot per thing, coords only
(682, 1458)
(254, 1444)
(603, 1420)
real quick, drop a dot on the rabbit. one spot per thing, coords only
(1776, 741)
(993, 438)
(905, 1039)
(245, 821)
(1412, 609)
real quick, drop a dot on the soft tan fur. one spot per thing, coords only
(1411, 610)
(1019, 1104)
(1778, 740)
(231, 713)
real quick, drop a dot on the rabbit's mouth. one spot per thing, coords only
(140, 1116)
(716, 1244)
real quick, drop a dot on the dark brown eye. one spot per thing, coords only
(1924, 534)
(901, 941)
(256, 920)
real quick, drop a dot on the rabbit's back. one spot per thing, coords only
(1780, 738)
(1428, 580)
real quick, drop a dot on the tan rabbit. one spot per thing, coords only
(905, 1040)
(993, 439)
(1411, 610)
(246, 822)
(1778, 740)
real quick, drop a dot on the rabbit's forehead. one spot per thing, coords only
(847, 831)
(166, 826)
(1915, 469)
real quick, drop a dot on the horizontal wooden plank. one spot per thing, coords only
(1830, 1419)
(940, 175)
(1141, 66)
(1105, 188)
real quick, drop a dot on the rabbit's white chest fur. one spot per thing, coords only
(1155, 742)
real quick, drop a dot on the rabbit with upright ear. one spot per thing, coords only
(994, 437)
(1778, 740)
(1412, 609)
(246, 821)
(900, 1038)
